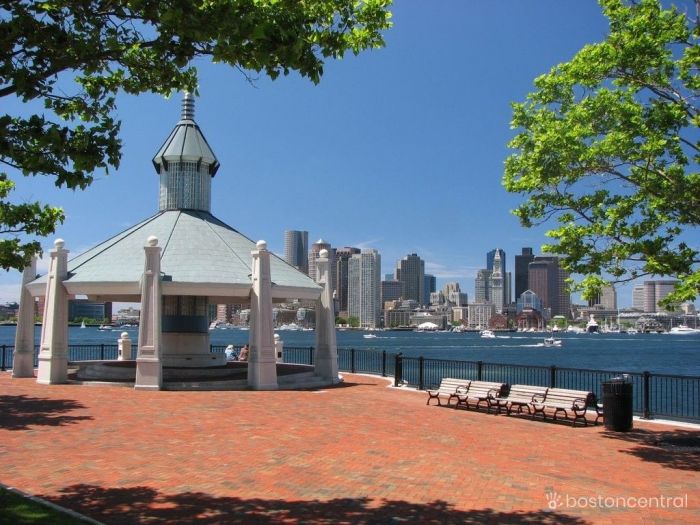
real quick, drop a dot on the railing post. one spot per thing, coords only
(421, 362)
(352, 360)
(397, 370)
(383, 363)
(3, 368)
(311, 355)
(479, 368)
(646, 408)
(102, 352)
(552, 376)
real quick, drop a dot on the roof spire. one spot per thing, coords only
(187, 106)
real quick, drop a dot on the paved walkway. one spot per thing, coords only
(356, 453)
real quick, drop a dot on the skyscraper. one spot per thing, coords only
(497, 289)
(342, 257)
(482, 286)
(429, 286)
(521, 263)
(296, 246)
(364, 287)
(548, 280)
(314, 255)
(410, 271)
(654, 292)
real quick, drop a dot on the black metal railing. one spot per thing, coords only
(654, 394)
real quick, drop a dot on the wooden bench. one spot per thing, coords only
(520, 396)
(484, 392)
(449, 387)
(574, 402)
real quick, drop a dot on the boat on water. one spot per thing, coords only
(632, 331)
(105, 327)
(592, 326)
(369, 336)
(487, 334)
(82, 325)
(551, 341)
(683, 329)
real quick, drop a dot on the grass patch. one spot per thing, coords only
(19, 510)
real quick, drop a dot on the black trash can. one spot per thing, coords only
(617, 404)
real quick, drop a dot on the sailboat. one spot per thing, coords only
(82, 325)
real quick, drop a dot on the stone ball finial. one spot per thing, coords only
(125, 335)
(323, 254)
(261, 245)
(277, 336)
(152, 240)
(59, 244)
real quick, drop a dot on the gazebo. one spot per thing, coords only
(176, 263)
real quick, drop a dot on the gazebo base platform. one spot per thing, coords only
(231, 376)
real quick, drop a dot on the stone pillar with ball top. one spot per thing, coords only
(262, 366)
(124, 344)
(53, 352)
(23, 361)
(149, 367)
(326, 358)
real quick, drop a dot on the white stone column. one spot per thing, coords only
(124, 345)
(149, 366)
(262, 367)
(326, 357)
(23, 362)
(53, 352)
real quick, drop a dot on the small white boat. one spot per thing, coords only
(632, 331)
(106, 327)
(682, 329)
(550, 341)
(488, 334)
(369, 336)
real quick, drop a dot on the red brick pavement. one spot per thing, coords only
(356, 453)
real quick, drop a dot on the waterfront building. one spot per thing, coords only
(342, 256)
(296, 245)
(521, 271)
(84, 308)
(410, 271)
(391, 290)
(437, 298)
(364, 287)
(529, 300)
(429, 286)
(479, 315)
(396, 317)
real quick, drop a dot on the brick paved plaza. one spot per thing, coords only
(356, 453)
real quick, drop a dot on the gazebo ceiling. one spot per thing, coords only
(201, 255)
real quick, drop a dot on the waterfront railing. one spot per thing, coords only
(654, 395)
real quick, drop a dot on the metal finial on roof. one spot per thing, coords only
(188, 107)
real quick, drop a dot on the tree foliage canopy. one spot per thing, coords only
(95, 49)
(608, 148)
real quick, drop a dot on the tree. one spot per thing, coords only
(354, 321)
(607, 146)
(75, 56)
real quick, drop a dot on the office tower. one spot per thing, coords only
(607, 298)
(548, 280)
(521, 263)
(429, 286)
(497, 290)
(490, 260)
(410, 271)
(342, 257)
(296, 246)
(638, 297)
(482, 286)
(314, 255)
(453, 294)
(391, 291)
(654, 292)
(364, 287)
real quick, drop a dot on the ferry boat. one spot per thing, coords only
(592, 325)
(550, 341)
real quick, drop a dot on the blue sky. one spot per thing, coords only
(399, 149)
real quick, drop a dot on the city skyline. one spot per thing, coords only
(399, 149)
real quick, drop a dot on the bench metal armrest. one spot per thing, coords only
(538, 398)
(461, 389)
